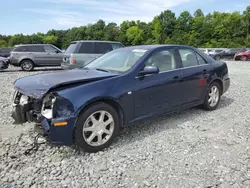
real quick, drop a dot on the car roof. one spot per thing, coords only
(33, 45)
(104, 41)
(155, 46)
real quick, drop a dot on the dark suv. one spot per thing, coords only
(29, 56)
(79, 53)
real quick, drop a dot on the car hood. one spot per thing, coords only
(37, 86)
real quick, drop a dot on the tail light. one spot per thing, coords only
(72, 60)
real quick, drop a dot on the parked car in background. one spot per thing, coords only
(206, 51)
(230, 53)
(79, 53)
(89, 106)
(243, 56)
(5, 52)
(29, 56)
(217, 54)
(4, 63)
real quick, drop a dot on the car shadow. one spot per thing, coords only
(225, 102)
(146, 128)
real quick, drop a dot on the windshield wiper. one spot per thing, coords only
(103, 70)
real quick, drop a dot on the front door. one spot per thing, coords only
(158, 93)
(53, 57)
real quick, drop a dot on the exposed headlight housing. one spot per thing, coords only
(24, 100)
(47, 106)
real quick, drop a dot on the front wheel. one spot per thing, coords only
(96, 127)
(213, 95)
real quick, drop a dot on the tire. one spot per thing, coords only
(27, 65)
(217, 57)
(208, 105)
(94, 131)
(243, 58)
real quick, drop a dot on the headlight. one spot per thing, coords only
(24, 100)
(47, 106)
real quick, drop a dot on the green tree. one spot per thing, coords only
(50, 39)
(111, 32)
(3, 43)
(135, 35)
(215, 29)
(163, 26)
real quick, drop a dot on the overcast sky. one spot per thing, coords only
(31, 16)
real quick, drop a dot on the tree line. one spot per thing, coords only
(214, 30)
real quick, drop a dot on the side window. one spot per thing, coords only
(50, 49)
(102, 48)
(20, 49)
(201, 60)
(86, 48)
(35, 49)
(164, 60)
(188, 58)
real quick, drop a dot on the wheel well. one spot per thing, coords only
(26, 59)
(220, 83)
(110, 102)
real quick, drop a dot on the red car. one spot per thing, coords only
(243, 56)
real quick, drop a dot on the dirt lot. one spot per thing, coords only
(193, 148)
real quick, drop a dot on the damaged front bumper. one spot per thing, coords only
(58, 130)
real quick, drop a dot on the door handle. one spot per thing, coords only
(204, 71)
(176, 78)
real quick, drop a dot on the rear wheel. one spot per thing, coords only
(27, 65)
(213, 95)
(243, 58)
(96, 127)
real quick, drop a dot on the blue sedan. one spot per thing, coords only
(90, 105)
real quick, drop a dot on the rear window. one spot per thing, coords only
(71, 48)
(29, 49)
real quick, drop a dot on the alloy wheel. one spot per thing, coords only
(214, 96)
(98, 128)
(27, 65)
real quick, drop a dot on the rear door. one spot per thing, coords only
(38, 53)
(53, 56)
(195, 74)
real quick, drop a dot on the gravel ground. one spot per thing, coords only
(193, 148)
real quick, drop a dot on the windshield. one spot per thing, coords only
(117, 60)
(71, 48)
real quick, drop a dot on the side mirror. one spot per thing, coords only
(149, 70)
(58, 51)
